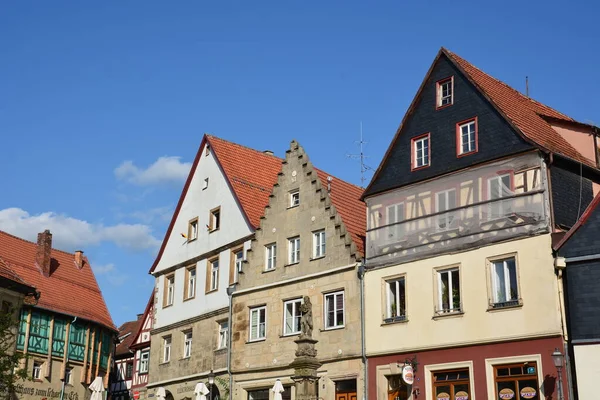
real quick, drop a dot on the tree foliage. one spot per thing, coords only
(10, 359)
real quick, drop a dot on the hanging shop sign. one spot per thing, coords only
(408, 375)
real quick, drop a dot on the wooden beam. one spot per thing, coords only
(50, 342)
(63, 368)
(91, 360)
(108, 363)
(26, 344)
(99, 354)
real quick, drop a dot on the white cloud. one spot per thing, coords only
(103, 269)
(164, 170)
(74, 234)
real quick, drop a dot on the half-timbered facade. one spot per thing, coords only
(141, 348)
(460, 278)
(124, 366)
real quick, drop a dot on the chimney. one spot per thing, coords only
(79, 259)
(42, 256)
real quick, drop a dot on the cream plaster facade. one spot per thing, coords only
(588, 369)
(538, 316)
(256, 364)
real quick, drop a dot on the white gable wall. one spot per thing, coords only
(197, 203)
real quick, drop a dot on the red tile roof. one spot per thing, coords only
(68, 290)
(129, 328)
(346, 199)
(580, 222)
(9, 274)
(525, 114)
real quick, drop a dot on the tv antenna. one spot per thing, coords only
(361, 157)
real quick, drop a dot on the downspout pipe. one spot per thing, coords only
(361, 277)
(230, 291)
(62, 389)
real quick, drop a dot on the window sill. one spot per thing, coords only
(317, 258)
(442, 107)
(221, 350)
(266, 271)
(333, 328)
(185, 358)
(143, 373)
(449, 314)
(466, 154)
(295, 206)
(167, 306)
(213, 230)
(189, 298)
(164, 363)
(295, 263)
(504, 306)
(256, 341)
(192, 240)
(395, 320)
(289, 335)
(413, 169)
(212, 291)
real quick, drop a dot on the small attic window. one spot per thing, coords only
(207, 150)
(205, 184)
(444, 92)
(294, 198)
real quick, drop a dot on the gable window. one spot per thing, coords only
(37, 371)
(498, 187)
(445, 201)
(169, 290)
(295, 198)
(334, 310)
(205, 184)
(166, 349)
(214, 219)
(258, 323)
(445, 92)
(223, 334)
(144, 362)
(294, 250)
(448, 282)
(212, 278)
(505, 290)
(129, 370)
(421, 151)
(271, 256)
(396, 299)
(190, 282)
(193, 229)
(291, 318)
(466, 137)
(187, 344)
(319, 244)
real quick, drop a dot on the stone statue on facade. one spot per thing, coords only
(306, 321)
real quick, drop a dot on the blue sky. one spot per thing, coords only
(103, 104)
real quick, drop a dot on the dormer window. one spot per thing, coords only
(445, 92)
(421, 151)
(294, 198)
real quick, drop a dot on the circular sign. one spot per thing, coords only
(136, 395)
(506, 393)
(408, 375)
(528, 392)
(462, 395)
(443, 396)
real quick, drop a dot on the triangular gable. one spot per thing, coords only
(589, 211)
(146, 321)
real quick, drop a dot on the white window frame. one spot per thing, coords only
(470, 135)
(422, 153)
(36, 374)
(440, 305)
(167, 340)
(193, 230)
(258, 310)
(440, 92)
(295, 316)
(294, 250)
(68, 375)
(170, 289)
(239, 261)
(214, 274)
(507, 283)
(444, 221)
(294, 198)
(319, 243)
(333, 296)
(144, 362)
(191, 285)
(223, 341)
(187, 344)
(271, 256)
(388, 297)
(496, 202)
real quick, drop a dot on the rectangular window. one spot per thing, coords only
(505, 292)
(239, 260)
(187, 344)
(445, 201)
(396, 299)
(271, 256)
(205, 184)
(453, 384)
(258, 320)
(223, 334)
(214, 274)
(294, 198)
(37, 371)
(445, 92)
(420, 151)
(395, 214)
(68, 376)
(214, 219)
(129, 370)
(291, 318)
(294, 250)
(144, 362)
(319, 244)
(193, 229)
(466, 137)
(520, 379)
(166, 349)
(448, 282)
(190, 283)
(498, 187)
(169, 290)
(334, 310)
(262, 394)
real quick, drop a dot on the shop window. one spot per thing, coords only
(397, 389)
(516, 381)
(262, 394)
(451, 385)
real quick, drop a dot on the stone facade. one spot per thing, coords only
(256, 364)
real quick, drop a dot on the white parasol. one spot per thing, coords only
(277, 389)
(160, 393)
(97, 388)
(200, 391)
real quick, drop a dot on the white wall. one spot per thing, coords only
(588, 370)
(198, 203)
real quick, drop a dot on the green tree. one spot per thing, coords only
(10, 359)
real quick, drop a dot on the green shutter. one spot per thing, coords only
(39, 333)
(77, 342)
(58, 337)
(106, 346)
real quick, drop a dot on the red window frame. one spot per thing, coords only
(459, 141)
(412, 151)
(438, 85)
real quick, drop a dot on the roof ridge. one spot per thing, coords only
(242, 146)
(34, 243)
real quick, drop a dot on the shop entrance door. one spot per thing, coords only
(345, 390)
(397, 390)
